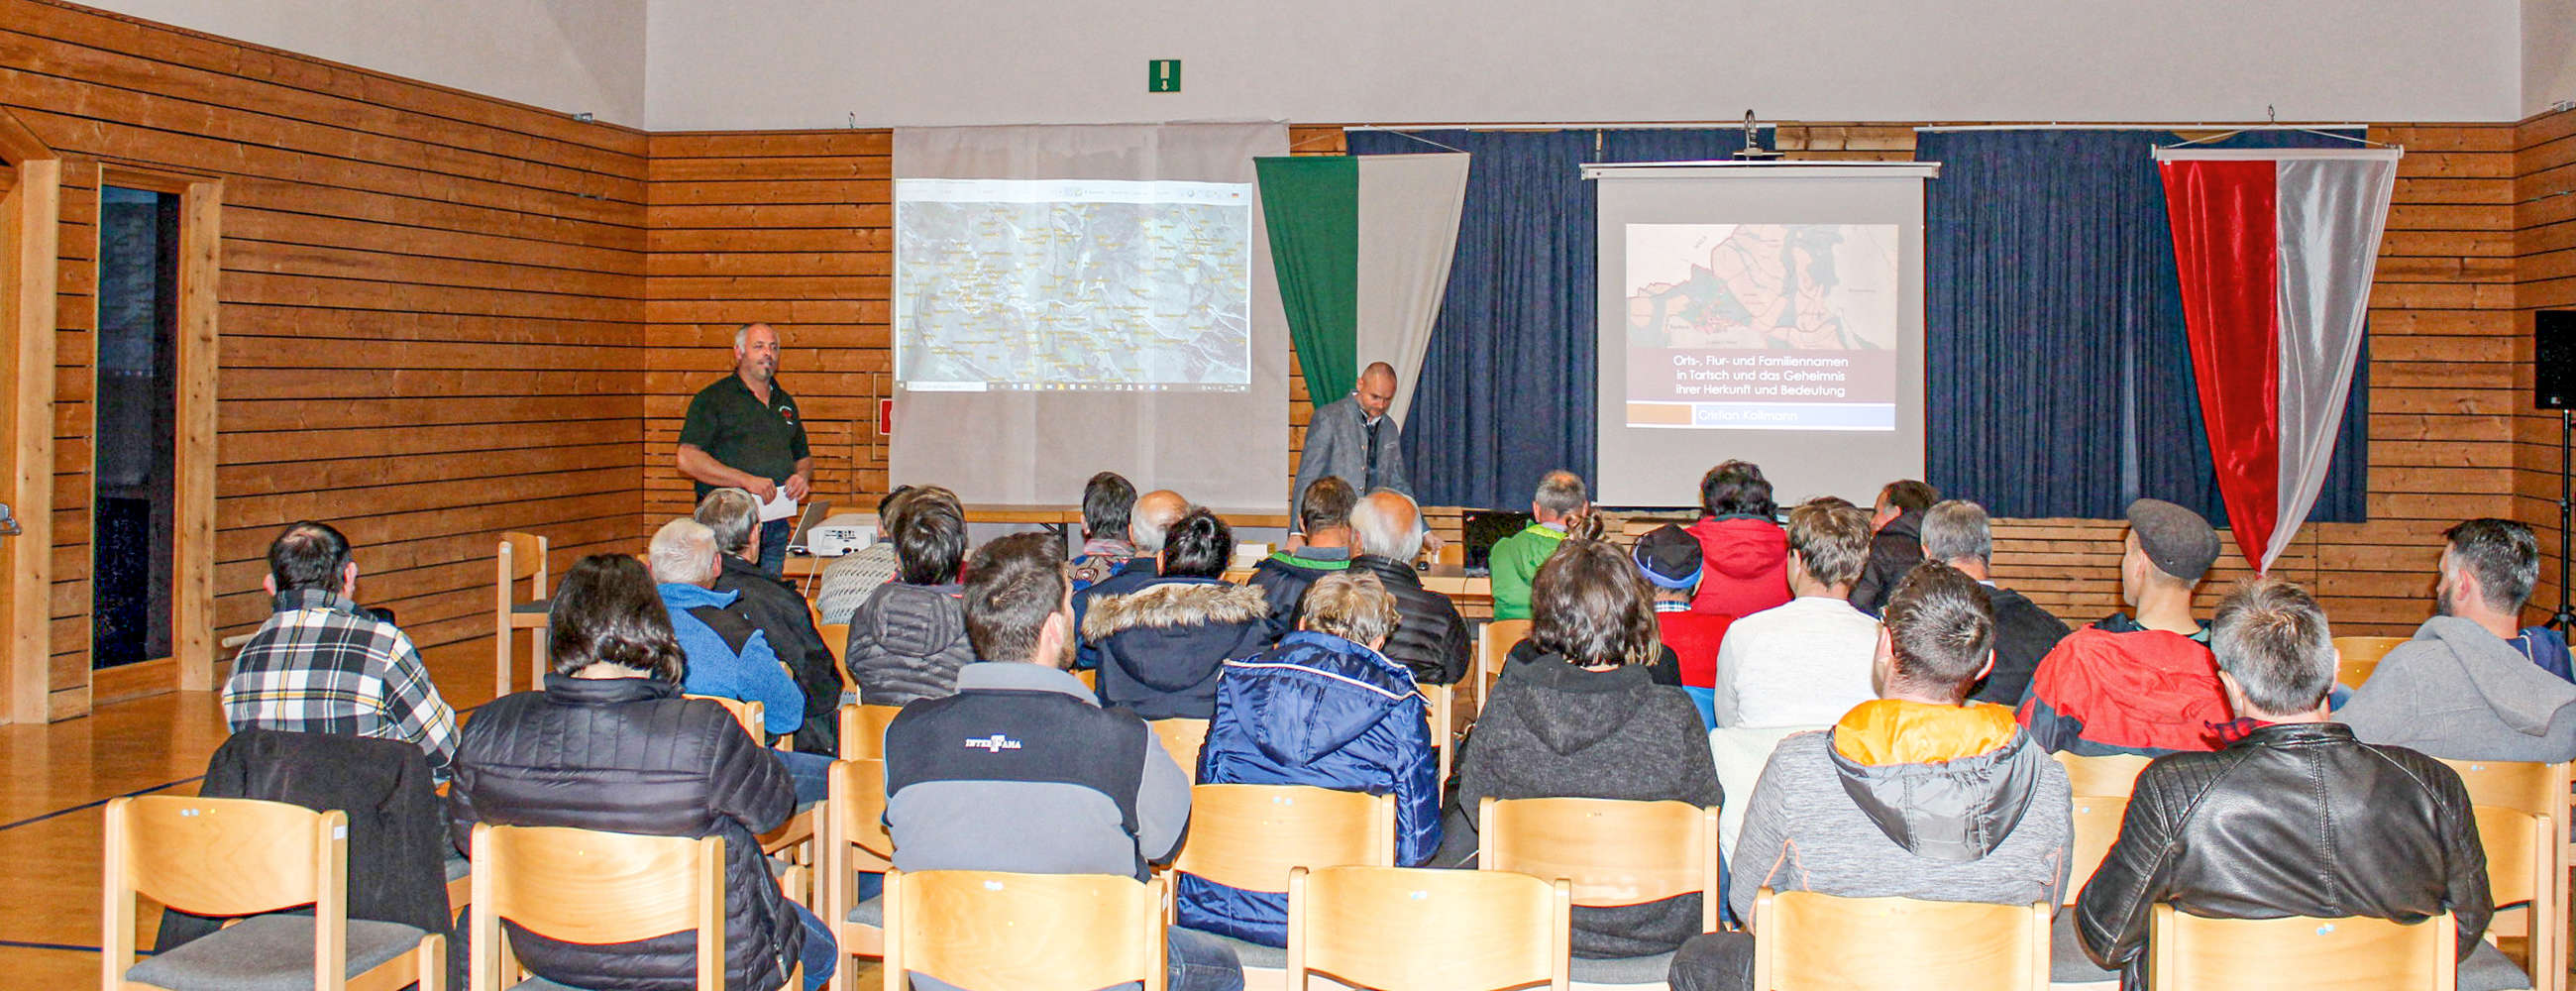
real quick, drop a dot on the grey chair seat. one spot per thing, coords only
(532, 607)
(1622, 970)
(268, 953)
(2067, 963)
(869, 913)
(2488, 969)
(1253, 955)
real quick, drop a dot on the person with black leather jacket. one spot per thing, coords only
(2295, 817)
(1430, 637)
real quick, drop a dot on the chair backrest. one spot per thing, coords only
(1409, 928)
(837, 637)
(1440, 707)
(2348, 954)
(2538, 789)
(2097, 826)
(863, 729)
(522, 556)
(586, 886)
(2112, 775)
(224, 856)
(1819, 941)
(1036, 932)
(1182, 738)
(2357, 657)
(2519, 857)
(1492, 647)
(750, 714)
(857, 818)
(1251, 836)
(1614, 852)
(2522, 817)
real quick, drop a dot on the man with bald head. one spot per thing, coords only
(1353, 438)
(1147, 523)
(1430, 637)
(743, 431)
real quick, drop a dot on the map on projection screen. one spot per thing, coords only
(1084, 285)
(1762, 326)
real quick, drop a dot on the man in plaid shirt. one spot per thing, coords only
(321, 664)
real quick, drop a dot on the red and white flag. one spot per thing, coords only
(2275, 248)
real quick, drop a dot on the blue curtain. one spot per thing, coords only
(2057, 371)
(1510, 368)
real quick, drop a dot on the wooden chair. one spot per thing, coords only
(2357, 657)
(1440, 709)
(585, 886)
(1182, 738)
(863, 729)
(854, 840)
(1251, 836)
(2188, 953)
(2097, 826)
(1493, 645)
(2109, 776)
(239, 856)
(1089, 677)
(2514, 803)
(797, 833)
(1417, 929)
(1034, 932)
(521, 557)
(1613, 853)
(1818, 941)
(837, 637)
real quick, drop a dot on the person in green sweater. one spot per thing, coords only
(1560, 503)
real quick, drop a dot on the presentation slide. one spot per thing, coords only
(1084, 285)
(1762, 326)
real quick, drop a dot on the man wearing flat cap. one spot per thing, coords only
(2142, 682)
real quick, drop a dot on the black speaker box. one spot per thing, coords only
(2553, 359)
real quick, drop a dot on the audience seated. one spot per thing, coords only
(1107, 500)
(1047, 782)
(1897, 547)
(1806, 662)
(1920, 793)
(1147, 523)
(2474, 684)
(1561, 499)
(2296, 817)
(1957, 533)
(1324, 518)
(779, 612)
(610, 744)
(1584, 721)
(1668, 558)
(1322, 708)
(728, 656)
(1744, 548)
(908, 640)
(2145, 685)
(849, 579)
(323, 664)
(1163, 644)
(1430, 637)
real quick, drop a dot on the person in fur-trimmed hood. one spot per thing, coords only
(1163, 644)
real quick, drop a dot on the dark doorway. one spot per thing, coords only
(134, 443)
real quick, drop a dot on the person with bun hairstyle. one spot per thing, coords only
(1163, 643)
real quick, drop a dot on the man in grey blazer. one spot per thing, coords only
(1354, 438)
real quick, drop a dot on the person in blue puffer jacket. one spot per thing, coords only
(1321, 708)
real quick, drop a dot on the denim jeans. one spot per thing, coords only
(822, 952)
(812, 772)
(1714, 962)
(773, 544)
(1197, 961)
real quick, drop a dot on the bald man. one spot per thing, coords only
(743, 431)
(1151, 518)
(1352, 437)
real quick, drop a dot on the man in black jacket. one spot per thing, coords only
(777, 610)
(1956, 533)
(2295, 818)
(1430, 637)
(1898, 544)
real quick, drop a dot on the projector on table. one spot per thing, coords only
(842, 534)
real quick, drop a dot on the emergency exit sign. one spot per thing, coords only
(1163, 75)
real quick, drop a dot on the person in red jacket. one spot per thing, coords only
(2147, 685)
(1743, 551)
(1668, 558)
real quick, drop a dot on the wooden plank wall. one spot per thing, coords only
(428, 309)
(2544, 219)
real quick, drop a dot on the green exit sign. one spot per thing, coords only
(1163, 75)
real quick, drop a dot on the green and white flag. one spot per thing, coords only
(1362, 245)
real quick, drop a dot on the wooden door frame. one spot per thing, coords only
(192, 531)
(30, 232)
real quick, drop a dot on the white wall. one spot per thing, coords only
(815, 63)
(2548, 54)
(567, 55)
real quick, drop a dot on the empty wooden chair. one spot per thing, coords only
(2190, 953)
(2514, 802)
(854, 839)
(585, 886)
(2111, 775)
(1032, 932)
(239, 856)
(863, 729)
(2357, 657)
(1807, 940)
(520, 557)
(1493, 645)
(1417, 929)
(1613, 853)
(1182, 738)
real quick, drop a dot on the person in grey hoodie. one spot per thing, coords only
(2468, 686)
(908, 640)
(1917, 794)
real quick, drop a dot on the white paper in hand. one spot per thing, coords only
(778, 507)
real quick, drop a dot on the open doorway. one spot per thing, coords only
(134, 436)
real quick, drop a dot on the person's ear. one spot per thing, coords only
(349, 580)
(2235, 693)
(269, 582)
(1988, 668)
(1882, 661)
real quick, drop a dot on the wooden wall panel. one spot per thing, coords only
(429, 310)
(2544, 217)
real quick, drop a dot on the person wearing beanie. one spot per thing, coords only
(2142, 684)
(1668, 557)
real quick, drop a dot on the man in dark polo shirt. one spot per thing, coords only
(745, 432)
